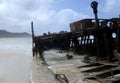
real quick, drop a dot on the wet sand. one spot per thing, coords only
(59, 64)
(18, 66)
(14, 68)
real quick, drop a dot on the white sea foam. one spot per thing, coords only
(31, 78)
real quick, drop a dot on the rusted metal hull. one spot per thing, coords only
(117, 54)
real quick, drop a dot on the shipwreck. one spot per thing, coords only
(96, 37)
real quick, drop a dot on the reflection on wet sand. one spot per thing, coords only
(14, 69)
(18, 66)
(40, 72)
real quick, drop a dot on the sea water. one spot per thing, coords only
(17, 64)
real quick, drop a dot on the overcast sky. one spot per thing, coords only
(50, 15)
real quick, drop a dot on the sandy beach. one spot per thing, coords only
(59, 64)
(17, 64)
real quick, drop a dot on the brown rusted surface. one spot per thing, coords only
(102, 45)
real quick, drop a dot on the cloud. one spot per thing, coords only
(112, 5)
(68, 15)
(59, 20)
(16, 16)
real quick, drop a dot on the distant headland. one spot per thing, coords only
(6, 34)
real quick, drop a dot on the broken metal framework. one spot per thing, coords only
(102, 44)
